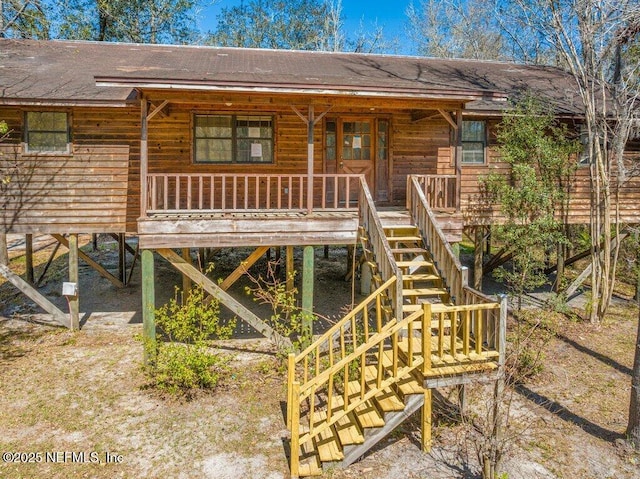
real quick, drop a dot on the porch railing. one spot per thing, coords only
(228, 192)
(440, 191)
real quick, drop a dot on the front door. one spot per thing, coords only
(359, 147)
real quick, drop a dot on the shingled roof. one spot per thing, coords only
(71, 72)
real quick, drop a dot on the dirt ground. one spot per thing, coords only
(79, 398)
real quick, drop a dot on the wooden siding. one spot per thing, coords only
(96, 187)
(476, 211)
(419, 148)
(85, 190)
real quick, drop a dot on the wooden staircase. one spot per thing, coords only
(378, 365)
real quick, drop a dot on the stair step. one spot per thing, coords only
(328, 446)
(411, 250)
(420, 277)
(424, 292)
(435, 308)
(400, 228)
(387, 399)
(404, 239)
(414, 264)
(348, 430)
(367, 413)
(309, 461)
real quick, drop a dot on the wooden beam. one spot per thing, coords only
(28, 256)
(157, 109)
(74, 301)
(225, 298)
(290, 272)
(458, 158)
(128, 247)
(35, 296)
(478, 251)
(46, 266)
(101, 270)
(4, 252)
(447, 116)
(426, 421)
(587, 271)
(307, 294)
(144, 156)
(148, 307)
(186, 281)
(122, 259)
(244, 266)
(133, 263)
(310, 157)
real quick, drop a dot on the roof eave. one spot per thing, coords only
(295, 89)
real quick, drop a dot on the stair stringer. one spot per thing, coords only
(373, 436)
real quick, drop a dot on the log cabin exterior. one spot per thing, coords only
(190, 147)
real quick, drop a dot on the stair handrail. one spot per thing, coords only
(454, 274)
(370, 220)
(392, 331)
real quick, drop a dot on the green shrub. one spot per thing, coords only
(184, 361)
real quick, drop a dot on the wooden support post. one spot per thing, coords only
(487, 241)
(462, 398)
(290, 269)
(94, 242)
(560, 257)
(310, 157)
(350, 253)
(28, 256)
(458, 158)
(426, 421)
(365, 279)
(148, 307)
(4, 252)
(74, 301)
(326, 251)
(307, 294)
(478, 257)
(186, 281)
(122, 259)
(144, 156)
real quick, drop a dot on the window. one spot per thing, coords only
(233, 139)
(47, 131)
(474, 141)
(583, 158)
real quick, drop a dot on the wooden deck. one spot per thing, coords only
(283, 228)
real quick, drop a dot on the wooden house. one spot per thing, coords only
(193, 147)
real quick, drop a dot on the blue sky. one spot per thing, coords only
(389, 14)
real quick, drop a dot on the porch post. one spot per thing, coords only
(28, 255)
(310, 154)
(74, 304)
(4, 251)
(144, 156)
(307, 294)
(148, 307)
(458, 158)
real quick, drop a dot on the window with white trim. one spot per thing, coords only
(233, 139)
(46, 132)
(474, 142)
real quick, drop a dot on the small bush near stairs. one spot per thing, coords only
(184, 361)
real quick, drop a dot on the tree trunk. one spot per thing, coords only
(633, 427)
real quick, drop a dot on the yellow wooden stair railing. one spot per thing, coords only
(377, 365)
